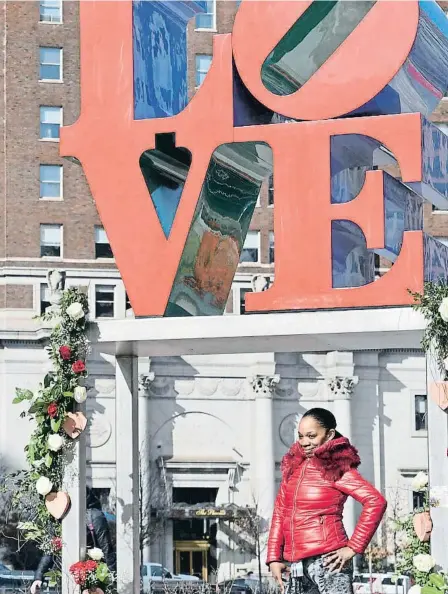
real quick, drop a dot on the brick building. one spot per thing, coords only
(49, 217)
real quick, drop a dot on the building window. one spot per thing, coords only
(50, 11)
(50, 122)
(102, 245)
(104, 301)
(271, 190)
(44, 298)
(271, 247)
(50, 177)
(206, 20)
(203, 62)
(421, 413)
(50, 63)
(418, 499)
(251, 248)
(51, 241)
(243, 293)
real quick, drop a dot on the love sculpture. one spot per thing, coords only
(318, 93)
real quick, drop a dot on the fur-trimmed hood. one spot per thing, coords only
(335, 457)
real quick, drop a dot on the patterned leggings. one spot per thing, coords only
(317, 579)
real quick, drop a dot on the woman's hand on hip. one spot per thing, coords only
(277, 568)
(337, 560)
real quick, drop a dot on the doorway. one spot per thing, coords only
(191, 558)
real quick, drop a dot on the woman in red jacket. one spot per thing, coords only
(319, 473)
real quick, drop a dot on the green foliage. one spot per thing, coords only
(56, 391)
(102, 573)
(438, 582)
(414, 546)
(436, 332)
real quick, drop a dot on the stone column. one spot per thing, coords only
(127, 480)
(74, 523)
(438, 464)
(144, 439)
(341, 383)
(263, 387)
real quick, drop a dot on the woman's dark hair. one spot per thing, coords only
(324, 417)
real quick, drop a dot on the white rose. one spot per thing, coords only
(43, 486)
(443, 309)
(420, 481)
(423, 562)
(415, 590)
(80, 394)
(55, 442)
(95, 554)
(75, 311)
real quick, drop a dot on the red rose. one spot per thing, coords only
(78, 366)
(65, 352)
(56, 541)
(52, 410)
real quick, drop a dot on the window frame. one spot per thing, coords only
(42, 123)
(213, 27)
(98, 243)
(197, 71)
(61, 241)
(113, 289)
(258, 248)
(61, 182)
(51, 22)
(271, 190)
(271, 236)
(418, 432)
(61, 65)
(407, 475)
(43, 288)
(238, 288)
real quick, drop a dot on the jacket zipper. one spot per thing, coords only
(294, 509)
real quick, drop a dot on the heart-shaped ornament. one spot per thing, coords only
(74, 424)
(57, 504)
(423, 526)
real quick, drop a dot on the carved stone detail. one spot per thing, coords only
(288, 430)
(184, 386)
(308, 390)
(231, 387)
(264, 385)
(144, 383)
(260, 283)
(99, 430)
(341, 388)
(207, 386)
(56, 285)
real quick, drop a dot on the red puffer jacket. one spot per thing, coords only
(307, 517)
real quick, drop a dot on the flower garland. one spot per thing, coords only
(38, 491)
(414, 558)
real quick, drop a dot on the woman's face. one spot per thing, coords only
(312, 435)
